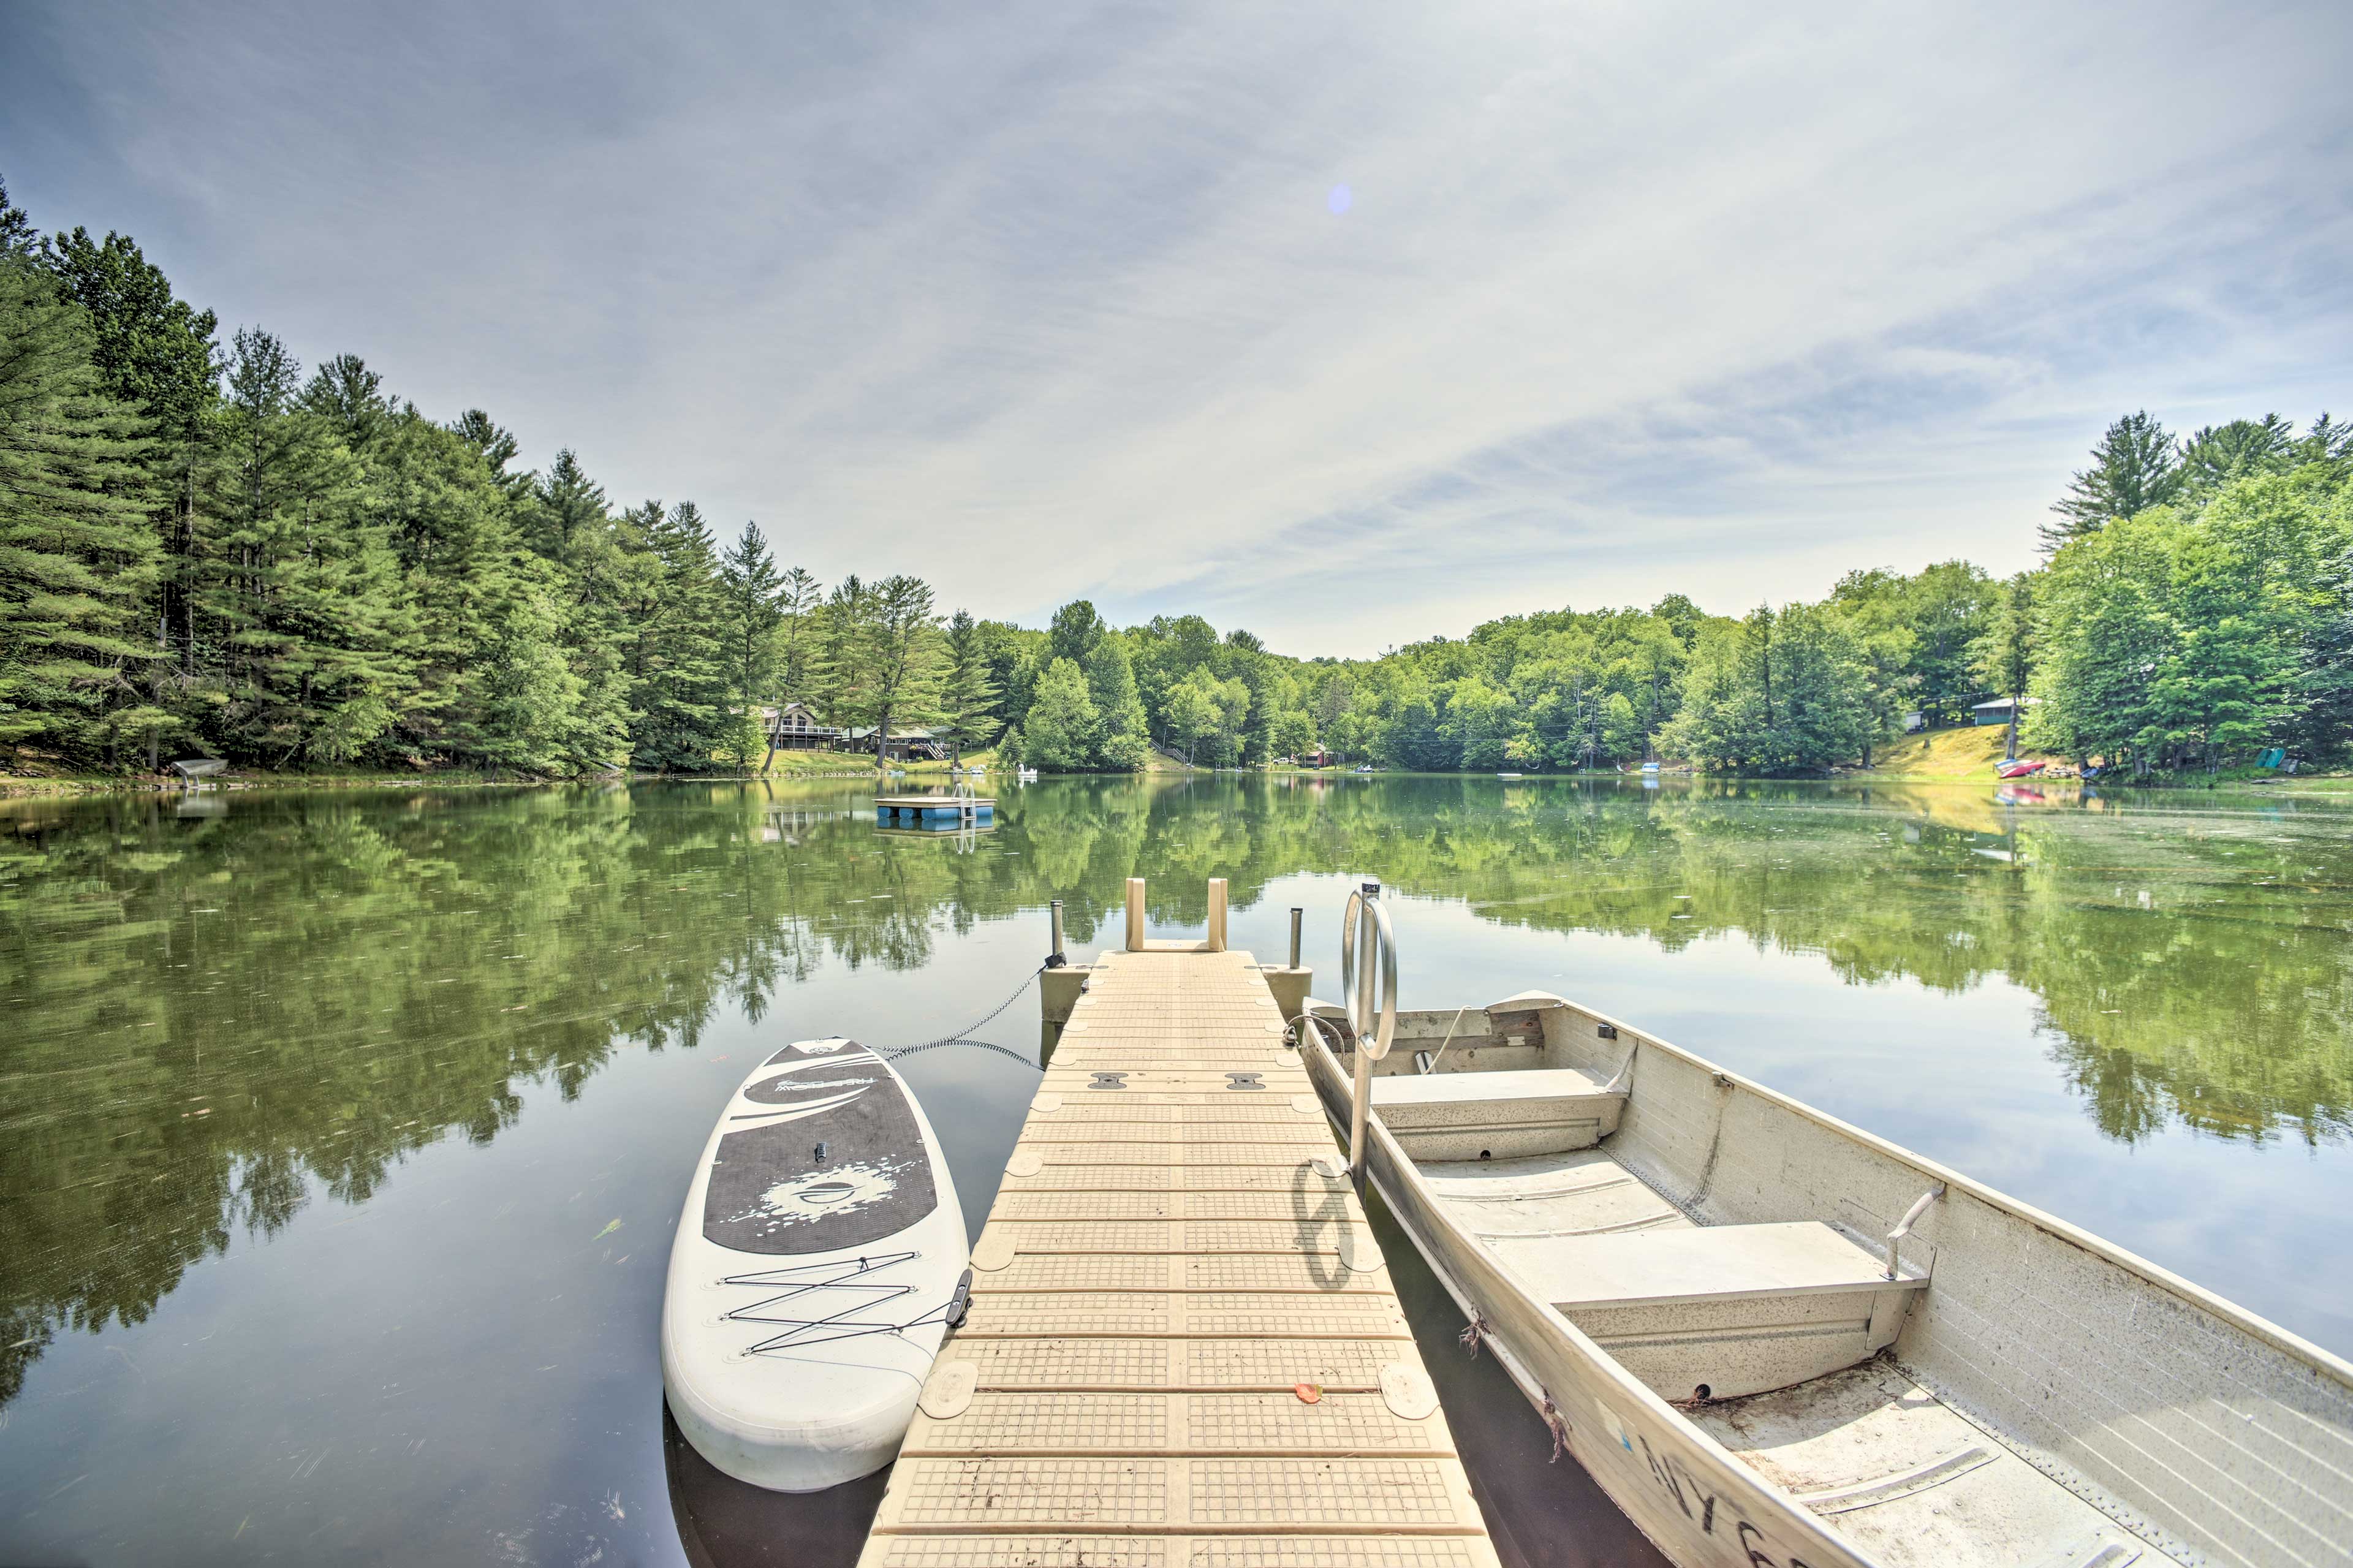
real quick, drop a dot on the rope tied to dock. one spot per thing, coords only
(964, 1037)
(1475, 1334)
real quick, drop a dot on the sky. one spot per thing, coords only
(1351, 323)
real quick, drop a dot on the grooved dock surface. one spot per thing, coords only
(1163, 1265)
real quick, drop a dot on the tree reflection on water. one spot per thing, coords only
(222, 1004)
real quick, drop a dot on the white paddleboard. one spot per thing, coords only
(817, 1263)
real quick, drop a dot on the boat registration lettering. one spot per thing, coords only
(1675, 1479)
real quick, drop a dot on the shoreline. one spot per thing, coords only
(14, 787)
(26, 786)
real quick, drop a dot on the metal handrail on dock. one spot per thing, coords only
(1367, 958)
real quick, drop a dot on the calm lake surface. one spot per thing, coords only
(343, 1134)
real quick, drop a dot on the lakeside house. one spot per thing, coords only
(1996, 711)
(903, 746)
(796, 727)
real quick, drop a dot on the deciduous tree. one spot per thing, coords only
(1060, 736)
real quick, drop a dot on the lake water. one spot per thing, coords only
(343, 1134)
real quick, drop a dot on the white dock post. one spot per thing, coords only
(1135, 914)
(1216, 914)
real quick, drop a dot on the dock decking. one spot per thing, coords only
(1164, 1274)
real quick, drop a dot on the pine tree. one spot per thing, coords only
(2134, 467)
(2329, 441)
(18, 237)
(839, 668)
(685, 705)
(908, 655)
(798, 598)
(568, 509)
(522, 706)
(598, 565)
(449, 523)
(497, 447)
(970, 703)
(299, 590)
(2218, 453)
(350, 398)
(750, 619)
(155, 352)
(77, 559)
(496, 687)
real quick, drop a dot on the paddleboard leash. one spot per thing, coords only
(964, 1037)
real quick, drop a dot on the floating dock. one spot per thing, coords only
(908, 810)
(1183, 1347)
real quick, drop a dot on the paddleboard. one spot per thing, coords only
(819, 1259)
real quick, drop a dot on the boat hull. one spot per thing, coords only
(2044, 1396)
(1698, 1503)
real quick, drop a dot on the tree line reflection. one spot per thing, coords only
(220, 1005)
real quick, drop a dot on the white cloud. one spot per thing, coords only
(1627, 299)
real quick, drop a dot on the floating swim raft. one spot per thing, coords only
(912, 809)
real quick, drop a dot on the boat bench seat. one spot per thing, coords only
(1717, 1311)
(1505, 1114)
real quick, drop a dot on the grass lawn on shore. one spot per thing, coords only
(1968, 753)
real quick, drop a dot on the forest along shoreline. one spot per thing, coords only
(217, 550)
(24, 785)
(2315, 785)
